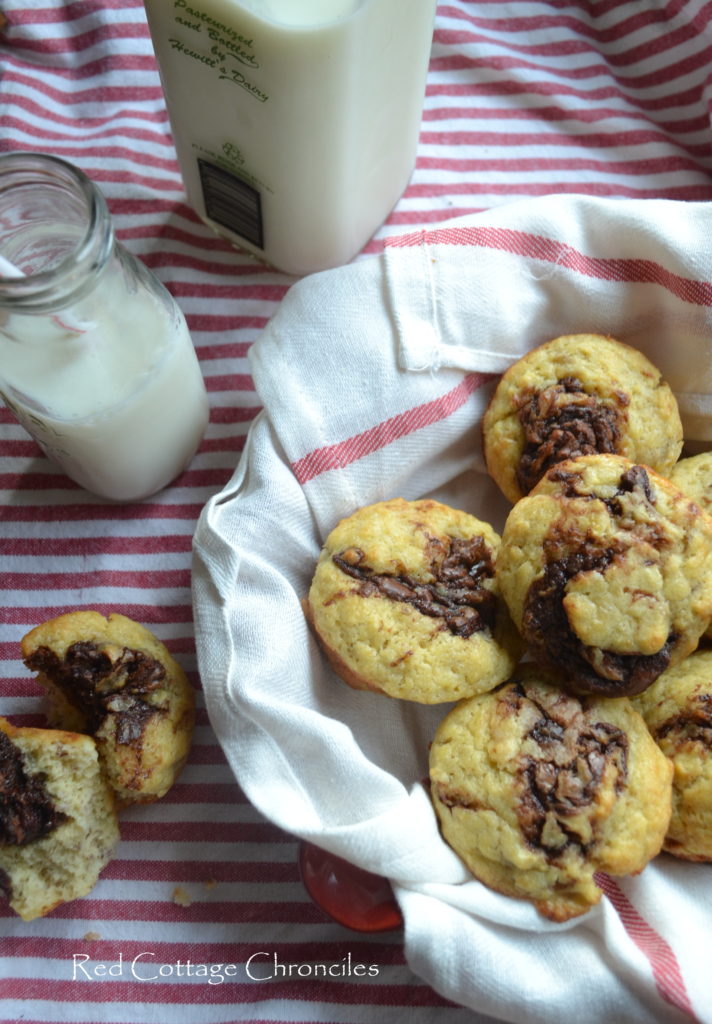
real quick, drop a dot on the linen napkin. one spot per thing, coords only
(373, 380)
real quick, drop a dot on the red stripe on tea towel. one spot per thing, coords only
(343, 453)
(520, 243)
(663, 962)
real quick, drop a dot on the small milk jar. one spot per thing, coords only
(295, 122)
(96, 361)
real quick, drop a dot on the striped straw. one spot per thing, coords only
(68, 321)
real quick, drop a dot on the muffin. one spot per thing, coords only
(58, 825)
(536, 790)
(111, 678)
(580, 394)
(677, 709)
(607, 571)
(693, 475)
(405, 603)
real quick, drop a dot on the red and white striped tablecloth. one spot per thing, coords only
(524, 98)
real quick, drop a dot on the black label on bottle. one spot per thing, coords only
(232, 202)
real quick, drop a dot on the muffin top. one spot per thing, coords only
(579, 394)
(405, 602)
(537, 789)
(607, 571)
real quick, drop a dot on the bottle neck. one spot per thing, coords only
(56, 234)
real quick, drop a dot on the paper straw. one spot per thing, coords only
(8, 269)
(68, 321)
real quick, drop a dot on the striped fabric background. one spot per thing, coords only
(524, 98)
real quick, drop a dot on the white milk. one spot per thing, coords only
(295, 122)
(122, 407)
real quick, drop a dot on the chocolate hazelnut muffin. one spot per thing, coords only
(580, 394)
(404, 602)
(58, 825)
(537, 790)
(111, 678)
(677, 709)
(607, 571)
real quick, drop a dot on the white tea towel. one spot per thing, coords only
(373, 380)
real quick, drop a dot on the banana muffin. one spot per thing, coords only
(693, 475)
(607, 571)
(58, 824)
(404, 602)
(678, 711)
(580, 394)
(537, 790)
(113, 679)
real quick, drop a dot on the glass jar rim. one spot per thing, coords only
(73, 274)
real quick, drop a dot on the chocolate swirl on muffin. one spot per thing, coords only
(575, 756)
(537, 790)
(404, 602)
(562, 422)
(579, 394)
(455, 593)
(114, 680)
(607, 571)
(105, 681)
(58, 823)
(27, 811)
(596, 671)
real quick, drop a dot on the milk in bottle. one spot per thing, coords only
(295, 122)
(96, 361)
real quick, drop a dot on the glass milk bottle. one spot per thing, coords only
(95, 357)
(296, 122)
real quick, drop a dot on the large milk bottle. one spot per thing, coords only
(295, 122)
(96, 361)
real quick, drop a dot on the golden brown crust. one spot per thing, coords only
(339, 665)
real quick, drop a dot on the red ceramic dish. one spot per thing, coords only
(355, 898)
